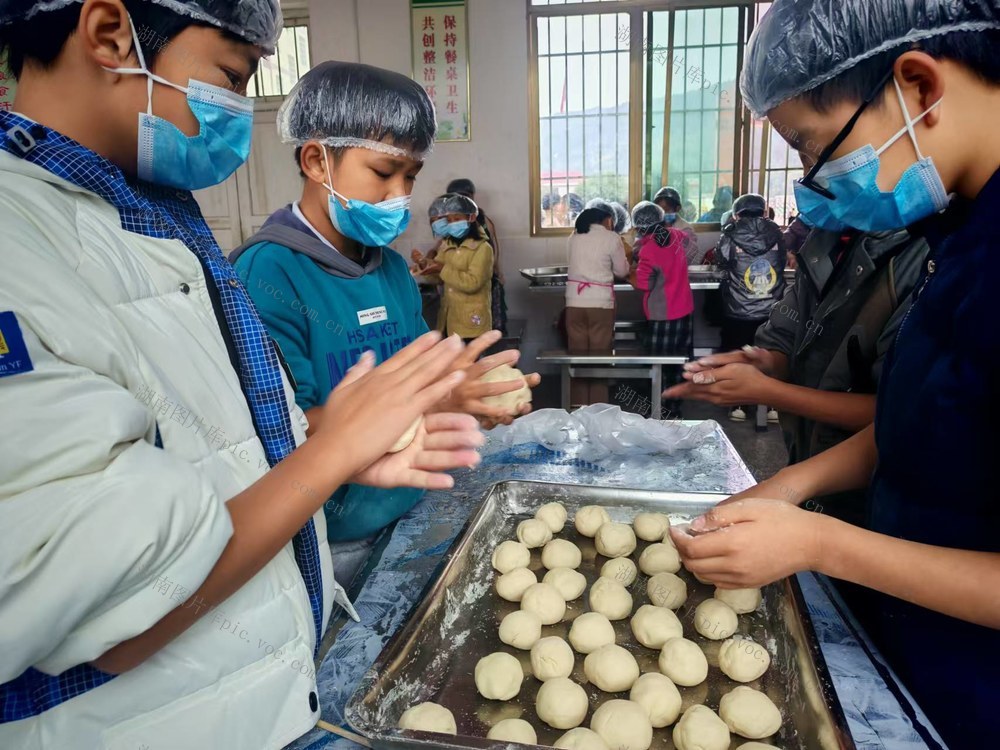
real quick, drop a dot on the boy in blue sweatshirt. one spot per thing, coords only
(326, 284)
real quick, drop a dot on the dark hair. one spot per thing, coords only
(462, 186)
(589, 217)
(975, 50)
(42, 37)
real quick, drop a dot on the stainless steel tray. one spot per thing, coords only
(433, 656)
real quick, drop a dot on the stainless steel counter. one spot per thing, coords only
(554, 278)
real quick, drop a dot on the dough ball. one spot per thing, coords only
(611, 668)
(611, 599)
(407, 437)
(510, 555)
(550, 658)
(545, 601)
(743, 660)
(615, 540)
(750, 713)
(715, 619)
(764, 746)
(511, 402)
(553, 515)
(521, 629)
(513, 730)
(683, 662)
(499, 676)
(620, 569)
(533, 533)
(742, 601)
(570, 583)
(581, 739)
(511, 586)
(590, 631)
(653, 626)
(659, 696)
(659, 558)
(700, 729)
(561, 554)
(561, 703)
(428, 717)
(590, 518)
(651, 527)
(667, 590)
(623, 725)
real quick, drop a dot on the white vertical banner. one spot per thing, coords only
(441, 63)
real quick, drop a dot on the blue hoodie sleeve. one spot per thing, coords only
(269, 284)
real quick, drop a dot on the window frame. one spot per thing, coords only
(636, 10)
(295, 14)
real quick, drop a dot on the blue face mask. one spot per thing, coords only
(170, 158)
(440, 228)
(670, 218)
(373, 225)
(458, 229)
(859, 203)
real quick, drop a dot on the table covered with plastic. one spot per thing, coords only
(880, 712)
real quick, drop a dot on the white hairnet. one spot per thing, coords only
(623, 222)
(439, 207)
(645, 216)
(802, 44)
(454, 203)
(257, 21)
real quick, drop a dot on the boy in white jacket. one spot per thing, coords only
(164, 574)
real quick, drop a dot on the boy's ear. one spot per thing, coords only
(312, 164)
(105, 34)
(921, 78)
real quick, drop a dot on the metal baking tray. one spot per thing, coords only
(433, 656)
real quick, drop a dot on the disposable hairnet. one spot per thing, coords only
(668, 194)
(438, 207)
(601, 204)
(454, 203)
(801, 44)
(622, 219)
(257, 21)
(750, 202)
(645, 216)
(349, 105)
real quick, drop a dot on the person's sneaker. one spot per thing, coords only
(738, 415)
(772, 416)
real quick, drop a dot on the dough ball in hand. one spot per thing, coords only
(521, 629)
(561, 703)
(615, 540)
(715, 619)
(623, 725)
(749, 713)
(553, 515)
(570, 583)
(560, 553)
(743, 660)
(499, 676)
(590, 631)
(659, 558)
(659, 696)
(589, 519)
(511, 586)
(428, 717)
(667, 590)
(510, 555)
(545, 601)
(611, 599)
(611, 668)
(620, 569)
(533, 533)
(581, 738)
(700, 729)
(511, 403)
(653, 626)
(742, 601)
(683, 662)
(407, 437)
(550, 658)
(651, 527)
(513, 730)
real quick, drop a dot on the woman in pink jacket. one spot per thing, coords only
(662, 276)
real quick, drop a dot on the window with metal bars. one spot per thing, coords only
(278, 73)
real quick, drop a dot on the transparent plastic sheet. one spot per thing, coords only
(798, 46)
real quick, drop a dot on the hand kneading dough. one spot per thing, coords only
(683, 662)
(611, 599)
(533, 533)
(620, 569)
(428, 717)
(615, 540)
(659, 558)
(659, 696)
(651, 527)
(510, 555)
(561, 554)
(545, 601)
(561, 703)
(511, 586)
(521, 629)
(511, 402)
(513, 730)
(550, 658)
(667, 590)
(624, 725)
(581, 739)
(499, 676)
(715, 619)
(570, 583)
(407, 437)
(743, 660)
(590, 518)
(700, 729)
(590, 631)
(750, 713)
(743, 601)
(611, 668)
(653, 626)
(554, 516)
